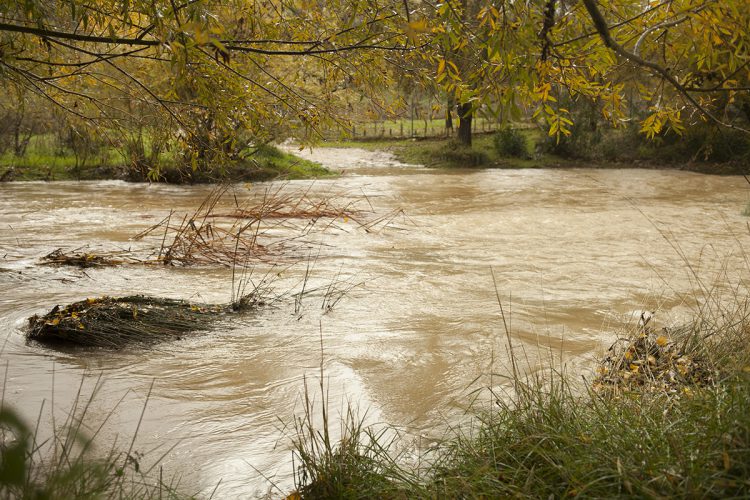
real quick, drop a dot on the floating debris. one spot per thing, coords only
(116, 322)
(652, 361)
(81, 259)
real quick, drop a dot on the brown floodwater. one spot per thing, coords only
(575, 254)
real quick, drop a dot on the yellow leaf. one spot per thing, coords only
(661, 341)
(419, 26)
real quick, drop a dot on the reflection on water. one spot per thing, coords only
(574, 253)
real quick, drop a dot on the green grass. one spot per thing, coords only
(44, 161)
(552, 436)
(64, 467)
(278, 163)
(447, 153)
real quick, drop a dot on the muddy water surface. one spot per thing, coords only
(574, 253)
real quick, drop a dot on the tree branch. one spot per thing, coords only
(601, 27)
(229, 44)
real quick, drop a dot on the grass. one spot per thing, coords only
(64, 466)
(274, 163)
(551, 436)
(447, 153)
(607, 149)
(45, 161)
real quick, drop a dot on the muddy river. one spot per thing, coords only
(575, 254)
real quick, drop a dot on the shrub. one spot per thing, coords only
(511, 142)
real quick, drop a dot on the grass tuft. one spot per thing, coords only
(64, 466)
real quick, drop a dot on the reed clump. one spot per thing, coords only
(228, 231)
(359, 464)
(265, 229)
(113, 323)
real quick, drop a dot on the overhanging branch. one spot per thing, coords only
(601, 27)
(230, 45)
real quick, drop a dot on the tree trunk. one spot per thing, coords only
(465, 115)
(449, 117)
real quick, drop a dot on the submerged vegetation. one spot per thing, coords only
(117, 322)
(231, 230)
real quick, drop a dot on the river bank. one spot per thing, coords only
(657, 431)
(484, 153)
(42, 162)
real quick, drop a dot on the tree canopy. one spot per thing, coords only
(216, 75)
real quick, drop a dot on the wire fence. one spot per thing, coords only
(404, 129)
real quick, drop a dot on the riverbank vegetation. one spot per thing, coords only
(666, 414)
(48, 158)
(704, 149)
(67, 466)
